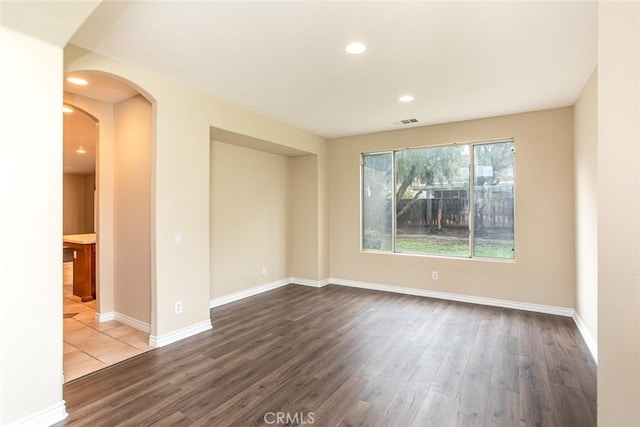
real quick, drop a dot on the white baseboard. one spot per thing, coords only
(134, 323)
(216, 302)
(586, 335)
(125, 320)
(309, 282)
(539, 308)
(105, 317)
(171, 337)
(44, 418)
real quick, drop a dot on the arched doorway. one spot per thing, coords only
(121, 322)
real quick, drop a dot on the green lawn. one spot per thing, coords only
(449, 246)
(495, 249)
(432, 246)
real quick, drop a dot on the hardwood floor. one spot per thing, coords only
(342, 356)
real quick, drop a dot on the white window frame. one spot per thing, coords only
(471, 193)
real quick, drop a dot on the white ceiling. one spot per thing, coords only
(101, 87)
(461, 60)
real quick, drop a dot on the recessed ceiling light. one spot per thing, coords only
(77, 81)
(81, 150)
(406, 98)
(66, 109)
(355, 48)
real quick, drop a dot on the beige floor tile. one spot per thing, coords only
(68, 300)
(119, 331)
(67, 273)
(68, 293)
(92, 323)
(71, 324)
(83, 332)
(83, 336)
(75, 357)
(119, 355)
(137, 339)
(77, 307)
(100, 344)
(68, 348)
(82, 368)
(72, 298)
(86, 340)
(100, 326)
(99, 348)
(85, 315)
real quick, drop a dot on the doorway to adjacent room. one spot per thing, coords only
(107, 140)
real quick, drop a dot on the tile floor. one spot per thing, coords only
(89, 345)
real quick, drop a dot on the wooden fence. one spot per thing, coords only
(491, 212)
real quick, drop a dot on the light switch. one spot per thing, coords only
(177, 239)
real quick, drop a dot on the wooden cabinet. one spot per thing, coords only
(84, 264)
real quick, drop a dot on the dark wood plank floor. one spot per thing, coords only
(341, 356)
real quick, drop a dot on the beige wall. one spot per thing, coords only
(324, 270)
(618, 214)
(77, 203)
(543, 272)
(132, 208)
(302, 232)
(118, 167)
(104, 200)
(264, 213)
(73, 204)
(586, 204)
(89, 202)
(183, 118)
(248, 218)
(31, 217)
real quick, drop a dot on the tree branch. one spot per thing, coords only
(407, 206)
(406, 183)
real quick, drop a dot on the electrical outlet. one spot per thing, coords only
(178, 307)
(434, 275)
(264, 271)
(177, 239)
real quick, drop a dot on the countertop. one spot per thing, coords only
(81, 239)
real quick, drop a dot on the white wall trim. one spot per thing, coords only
(44, 418)
(105, 317)
(539, 308)
(586, 335)
(124, 319)
(216, 302)
(171, 337)
(134, 323)
(309, 282)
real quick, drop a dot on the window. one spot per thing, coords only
(455, 200)
(377, 201)
(493, 190)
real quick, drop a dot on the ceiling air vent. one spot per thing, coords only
(406, 122)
